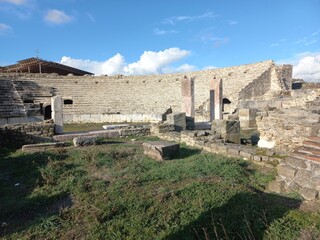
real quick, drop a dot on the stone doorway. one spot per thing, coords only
(47, 112)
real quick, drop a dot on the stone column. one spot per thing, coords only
(216, 99)
(187, 89)
(57, 114)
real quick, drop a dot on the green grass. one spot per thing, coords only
(113, 191)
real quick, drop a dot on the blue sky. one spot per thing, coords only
(161, 36)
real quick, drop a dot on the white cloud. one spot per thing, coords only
(149, 63)
(307, 67)
(232, 22)
(308, 40)
(176, 19)
(4, 29)
(15, 2)
(210, 67)
(274, 45)
(157, 31)
(57, 17)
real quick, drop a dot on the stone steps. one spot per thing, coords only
(310, 149)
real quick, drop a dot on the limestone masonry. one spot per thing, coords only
(137, 98)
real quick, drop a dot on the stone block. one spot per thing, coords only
(115, 126)
(308, 193)
(229, 130)
(233, 151)
(84, 141)
(287, 171)
(178, 120)
(161, 150)
(257, 158)
(276, 186)
(247, 155)
(247, 118)
(190, 123)
(296, 162)
(303, 178)
(315, 181)
(293, 186)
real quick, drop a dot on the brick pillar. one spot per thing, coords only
(216, 94)
(187, 89)
(57, 114)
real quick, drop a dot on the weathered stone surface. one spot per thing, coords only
(247, 118)
(217, 87)
(293, 186)
(265, 158)
(257, 158)
(296, 162)
(233, 151)
(303, 178)
(157, 128)
(308, 193)
(102, 134)
(229, 130)
(178, 120)
(187, 89)
(276, 186)
(161, 150)
(315, 182)
(248, 155)
(115, 126)
(42, 146)
(84, 141)
(190, 123)
(57, 114)
(287, 171)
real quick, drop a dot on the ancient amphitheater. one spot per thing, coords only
(135, 98)
(261, 96)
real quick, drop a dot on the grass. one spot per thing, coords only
(113, 191)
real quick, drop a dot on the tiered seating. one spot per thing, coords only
(11, 104)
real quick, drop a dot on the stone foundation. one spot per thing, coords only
(18, 134)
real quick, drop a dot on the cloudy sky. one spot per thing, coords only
(151, 37)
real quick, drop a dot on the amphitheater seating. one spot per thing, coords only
(11, 104)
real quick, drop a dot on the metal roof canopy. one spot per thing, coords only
(37, 65)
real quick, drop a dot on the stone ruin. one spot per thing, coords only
(222, 110)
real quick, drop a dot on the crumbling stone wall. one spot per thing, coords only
(288, 128)
(18, 134)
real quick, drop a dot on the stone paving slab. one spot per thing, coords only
(115, 126)
(40, 147)
(161, 150)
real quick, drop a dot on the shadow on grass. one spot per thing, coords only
(187, 152)
(19, 175)
(244, 216)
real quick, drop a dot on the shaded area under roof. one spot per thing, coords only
(37, 65)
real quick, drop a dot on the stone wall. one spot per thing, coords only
(153, 94)
(299, 175)
(288, 128)
(18, 134)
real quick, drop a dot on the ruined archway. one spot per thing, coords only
(226, 105)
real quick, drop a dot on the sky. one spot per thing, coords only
(137, 37)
